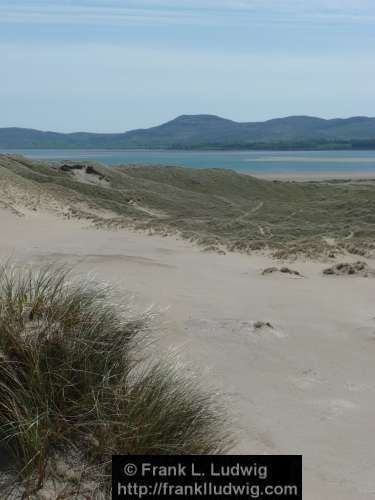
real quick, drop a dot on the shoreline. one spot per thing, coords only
(290, 173)
(11, 150)
(314, 176)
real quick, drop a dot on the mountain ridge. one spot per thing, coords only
(205, 131)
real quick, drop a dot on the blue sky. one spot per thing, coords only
(114, 65)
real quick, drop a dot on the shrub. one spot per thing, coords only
(72, 382)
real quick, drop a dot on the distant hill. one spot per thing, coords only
(209, 131)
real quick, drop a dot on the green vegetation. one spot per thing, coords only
(211, 132)
(74, 388)
(218, 209)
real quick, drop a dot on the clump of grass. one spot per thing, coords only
(72, 381)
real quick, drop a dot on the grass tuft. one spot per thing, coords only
(72, 382)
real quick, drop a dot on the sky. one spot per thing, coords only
(116, 65)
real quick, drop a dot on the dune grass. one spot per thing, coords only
(220, 210)
(73, 381)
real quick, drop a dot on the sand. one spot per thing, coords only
(315, 175)
(306, 385)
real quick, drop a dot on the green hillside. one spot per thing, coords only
(208, 131)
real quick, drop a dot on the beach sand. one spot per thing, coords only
(301, 175)
(304, 386)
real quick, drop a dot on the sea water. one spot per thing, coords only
(241, 161)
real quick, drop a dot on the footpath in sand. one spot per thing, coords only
(303, 384)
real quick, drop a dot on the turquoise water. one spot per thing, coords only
(242, 161)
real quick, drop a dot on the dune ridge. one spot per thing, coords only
(220, 210)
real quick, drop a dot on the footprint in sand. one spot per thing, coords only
(224, 327)
(308, 379)
(333, 408)
(266, 328)
(358, 387)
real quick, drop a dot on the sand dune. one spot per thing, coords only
(293, 354)
(302, 385)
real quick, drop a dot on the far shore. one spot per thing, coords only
(314, 175)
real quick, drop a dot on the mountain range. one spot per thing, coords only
(210, 132)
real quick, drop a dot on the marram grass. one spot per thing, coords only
(72, 382)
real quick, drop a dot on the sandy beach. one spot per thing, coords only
(304, 385)
(302, 176)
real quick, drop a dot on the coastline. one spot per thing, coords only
(303, 176)
(272, 165)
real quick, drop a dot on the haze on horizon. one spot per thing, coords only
(111, 65)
